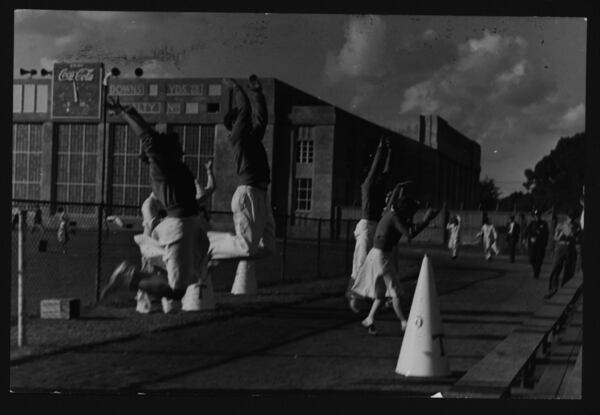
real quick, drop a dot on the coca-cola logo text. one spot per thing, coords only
(78, 75)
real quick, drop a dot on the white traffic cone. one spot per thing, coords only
(245, 278)
(422, 353)
(199, 296)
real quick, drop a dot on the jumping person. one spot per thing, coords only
(378, 277)
(373, 202)
(203, 193)
(453, 228)
(180, 234)
(536, 239)
(153, 212)
(252, 216)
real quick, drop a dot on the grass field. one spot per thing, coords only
(54, 274)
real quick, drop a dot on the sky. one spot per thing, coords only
(516, 85)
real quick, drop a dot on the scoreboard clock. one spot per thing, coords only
(77, 91)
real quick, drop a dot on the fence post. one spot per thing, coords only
(319, 248)
(20, 276)
(99, 252)
(284, 249)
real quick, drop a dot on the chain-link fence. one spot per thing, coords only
(75, 260)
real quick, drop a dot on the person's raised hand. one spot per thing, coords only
(430, 214)
(114, 105)
(254, 83)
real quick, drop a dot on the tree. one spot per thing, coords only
(488, 194)
(557, 179)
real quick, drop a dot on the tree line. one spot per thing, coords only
(555, 181)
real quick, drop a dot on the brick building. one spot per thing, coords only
(318, 152)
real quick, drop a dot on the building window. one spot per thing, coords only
(29, 98)
(27, 161)
(41, 99)
(304, 153)
(214, 90)
(130, 184)
(198, 143)
(213, 107)
(304, 144)
(77, 155)
(17, 98)
(303, 194)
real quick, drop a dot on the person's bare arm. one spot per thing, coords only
(203, 194)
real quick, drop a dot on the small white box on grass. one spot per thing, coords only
(60, 308)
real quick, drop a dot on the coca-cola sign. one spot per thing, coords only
(77, 91)
(79, 75)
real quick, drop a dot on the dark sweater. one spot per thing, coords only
(171, 180)
(252, 165)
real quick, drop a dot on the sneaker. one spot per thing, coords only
(120, 278)
(370, 326)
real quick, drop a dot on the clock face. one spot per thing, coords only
(76, 90)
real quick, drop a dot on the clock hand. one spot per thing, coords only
(75, 94)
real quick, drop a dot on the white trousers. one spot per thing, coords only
(254, 227)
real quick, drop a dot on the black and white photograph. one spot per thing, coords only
(256, 203)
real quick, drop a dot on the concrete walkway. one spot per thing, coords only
(316, 344)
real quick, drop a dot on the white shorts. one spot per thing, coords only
(377, 277)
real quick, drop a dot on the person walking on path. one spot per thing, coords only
(373, 202)
(580, 244)
(566, 237)
(513, 232)
(15, 217)
(453, 228)
(536, 240)
(180, 235)
(63, 229)
(37, 220)
(489, 238)
(251, 207)
(378, 278)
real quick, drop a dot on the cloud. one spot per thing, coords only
(492, 74)
(47, 63)
(573, 118)
(495, 93)
(101, 16)
(364, 52)
(154, 68)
